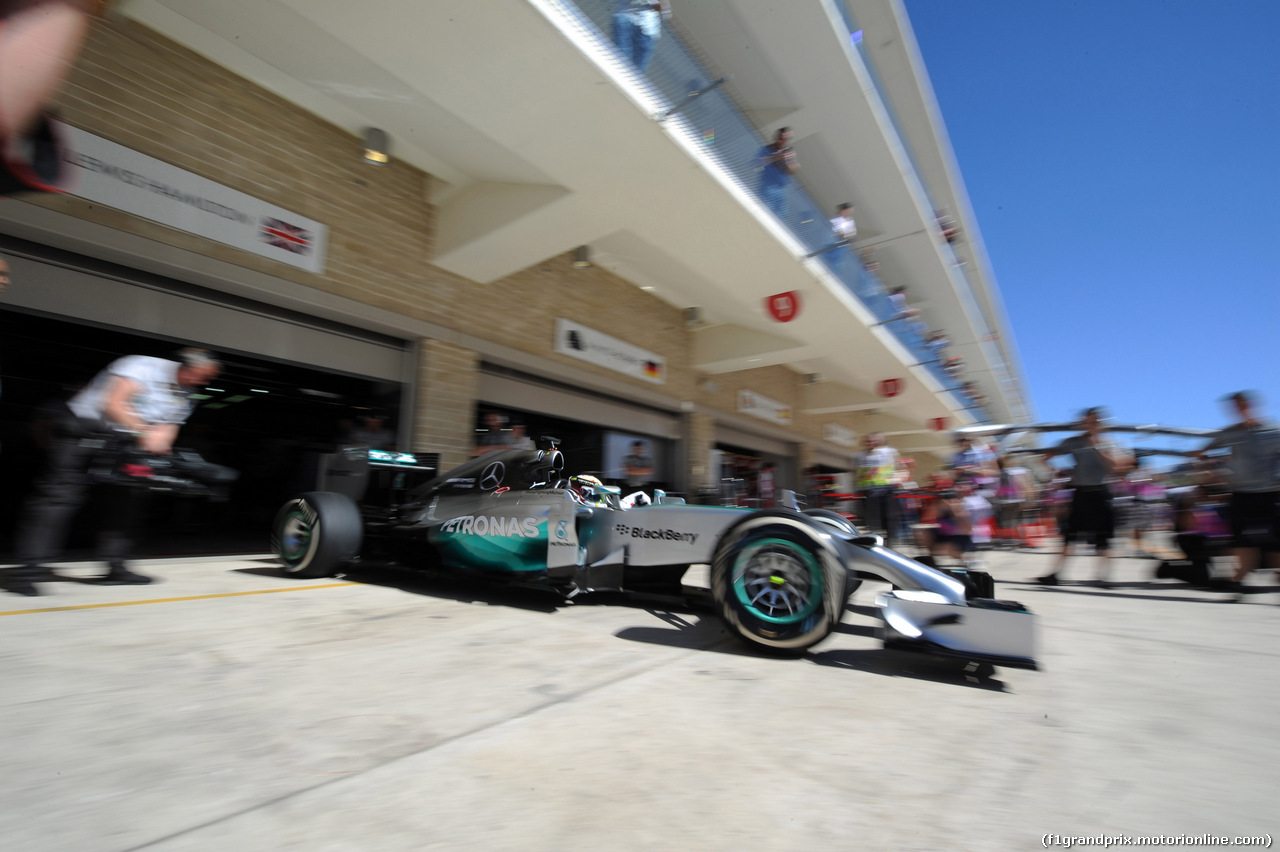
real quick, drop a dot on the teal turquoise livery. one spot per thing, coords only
(493, 543)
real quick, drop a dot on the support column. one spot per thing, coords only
(699, 441)
(806, 457)
(445, 401)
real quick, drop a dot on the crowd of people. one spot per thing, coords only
(1224, 501)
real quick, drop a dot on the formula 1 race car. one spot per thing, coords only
(779, 579)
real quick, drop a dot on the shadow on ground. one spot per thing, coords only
(444, 586)
(1180, 592)
(890, 663)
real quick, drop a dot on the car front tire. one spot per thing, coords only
(779, 582)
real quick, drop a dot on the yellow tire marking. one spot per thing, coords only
(174, 600)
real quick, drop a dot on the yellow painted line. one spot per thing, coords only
(174, 600)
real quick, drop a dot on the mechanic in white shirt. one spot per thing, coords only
(140, 396)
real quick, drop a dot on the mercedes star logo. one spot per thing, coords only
(492, 476)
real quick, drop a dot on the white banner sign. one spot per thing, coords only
(750, 402)
(837, 434)
(587, 344)
(113, 175)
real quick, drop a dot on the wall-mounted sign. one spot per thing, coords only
(119, 177)
(890, 388)
(938, 424)
(837, 434)
(783, 307)
(750, 402)
(587, 344)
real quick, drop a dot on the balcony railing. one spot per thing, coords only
(691, 99)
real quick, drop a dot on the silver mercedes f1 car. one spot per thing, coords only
(779, 579)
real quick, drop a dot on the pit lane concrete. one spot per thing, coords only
(231, 708)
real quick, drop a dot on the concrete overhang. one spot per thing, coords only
(729, 348)
(540, 145)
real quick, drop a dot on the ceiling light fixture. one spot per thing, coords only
(377, 147)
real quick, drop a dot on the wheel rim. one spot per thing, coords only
(777, 581)
(296, 534)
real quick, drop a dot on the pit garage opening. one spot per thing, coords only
(269, 419)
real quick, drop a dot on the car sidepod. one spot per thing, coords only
(520, 532)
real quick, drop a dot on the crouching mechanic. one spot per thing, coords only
(138, 398)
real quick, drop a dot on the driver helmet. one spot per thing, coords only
(586, 487)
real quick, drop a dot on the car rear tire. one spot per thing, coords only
(779, 582)
(317, 533)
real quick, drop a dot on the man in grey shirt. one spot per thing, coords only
(1091, 517)
(1253, 474)
(136, 398)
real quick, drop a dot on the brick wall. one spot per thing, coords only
(444, 421)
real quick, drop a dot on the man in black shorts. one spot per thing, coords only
(1253, 468)
(1090, 517)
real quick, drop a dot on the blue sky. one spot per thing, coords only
(1123, 163)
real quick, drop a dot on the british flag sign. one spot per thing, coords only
(281, 234)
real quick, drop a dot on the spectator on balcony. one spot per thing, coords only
(843, 228)
(869, 287)
(868, 256)
(637, 26)
(937, 342)
(901, 310)
(954, 366)
(947, 224)
(777, 165)
(976, 396)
